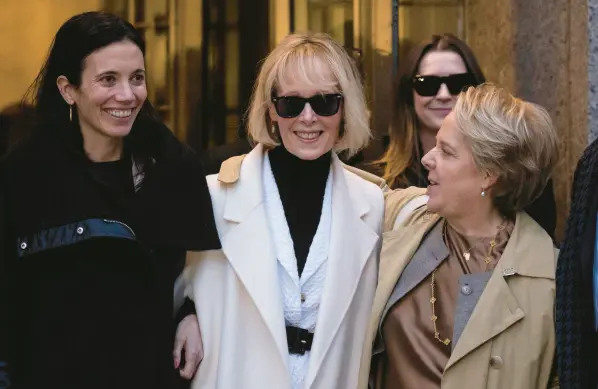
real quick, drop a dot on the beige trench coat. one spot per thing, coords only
(509, 340)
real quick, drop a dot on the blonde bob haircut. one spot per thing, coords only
(300, 57)
(512, 139)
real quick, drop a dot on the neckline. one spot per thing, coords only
(281, 156)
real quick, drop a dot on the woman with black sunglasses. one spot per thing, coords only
(285, 303)
(426, 90)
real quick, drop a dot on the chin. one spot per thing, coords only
(433, 206)
(308, 154)
(118, 132)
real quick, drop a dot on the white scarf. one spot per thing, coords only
(311, 284)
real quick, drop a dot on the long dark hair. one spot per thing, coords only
(76, 39)
(403, 151)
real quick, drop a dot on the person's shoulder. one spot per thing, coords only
(230, 170)
(365, 185)
(370, 178)
(31, 153)
(404, 206)
(398, 198)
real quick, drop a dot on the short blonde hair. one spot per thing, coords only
(513, 139)
(306, 52)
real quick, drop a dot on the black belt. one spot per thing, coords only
(299, 340)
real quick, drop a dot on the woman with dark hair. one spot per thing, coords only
(98, 208)
(577, 282)
(426, 91)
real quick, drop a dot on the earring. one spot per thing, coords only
(70, 113)
(483, 193)
(273, 129)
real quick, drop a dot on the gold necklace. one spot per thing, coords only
(434, 318)
(487, 261)
(467, 253)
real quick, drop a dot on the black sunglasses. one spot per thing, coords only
(430, 85)
(292, 106)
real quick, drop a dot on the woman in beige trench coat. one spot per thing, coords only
(465, 296)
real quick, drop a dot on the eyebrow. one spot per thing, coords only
(113, 73)
(445, 144)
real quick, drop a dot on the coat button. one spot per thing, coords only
(466, 290)
(302, 297)
(80, 230)
(496, 362)
(23, 245)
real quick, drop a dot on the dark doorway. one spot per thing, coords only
(236, 39)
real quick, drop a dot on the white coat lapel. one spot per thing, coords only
(249, 247)
(279, 228)
(352, 242)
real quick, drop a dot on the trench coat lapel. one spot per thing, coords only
(249, 248)
(352, 244)
(398, 247)
(496, 311)
(498, 308)
(429, 255)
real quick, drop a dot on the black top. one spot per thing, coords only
(115, 176)
(97, 312)
(301, 185)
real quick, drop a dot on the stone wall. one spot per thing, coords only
(539, 50)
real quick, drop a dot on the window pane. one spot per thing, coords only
(118, 8)
(232, 125)
(334, 17)
(232, 68)
(419, 22)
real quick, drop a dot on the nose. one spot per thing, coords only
(125, 93)
(443, 93)
(428, 160)
(308, 115)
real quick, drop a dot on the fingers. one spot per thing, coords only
(193, 358)
(178, 349)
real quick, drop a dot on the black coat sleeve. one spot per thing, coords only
(188, 308)
(543, 210)
(7, 302)
(199, 223)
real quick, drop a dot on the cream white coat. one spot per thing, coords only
(238, 297)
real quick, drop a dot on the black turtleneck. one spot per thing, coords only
(301, 185)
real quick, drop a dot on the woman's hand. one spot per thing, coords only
(188, 338)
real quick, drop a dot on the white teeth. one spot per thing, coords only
(308, 135)
(120, 113)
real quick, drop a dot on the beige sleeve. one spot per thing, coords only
(395, 201)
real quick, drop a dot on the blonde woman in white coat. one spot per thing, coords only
(285, 303)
